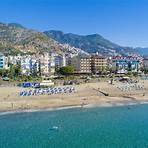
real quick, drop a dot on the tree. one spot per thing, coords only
(4, 72)
(67, 70)
(145, 70)
(15, 71)
(135, 74)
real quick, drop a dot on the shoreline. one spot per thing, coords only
(86, 95)
(12, 112)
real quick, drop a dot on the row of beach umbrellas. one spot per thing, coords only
(47, 91)
(130, 87)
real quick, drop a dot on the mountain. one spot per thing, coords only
(89, 43)
(142, 51)
(16, 25)
(14, 37)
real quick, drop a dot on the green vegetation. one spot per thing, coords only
(4, 72)
(14, 74)
(67, 70)
(145, 70)
(15, 71)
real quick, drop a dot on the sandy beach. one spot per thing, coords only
(89, 94)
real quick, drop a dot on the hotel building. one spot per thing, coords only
(123, 65)
(89, 64)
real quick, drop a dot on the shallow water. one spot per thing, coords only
(110, 127)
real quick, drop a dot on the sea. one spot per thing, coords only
(101, 127)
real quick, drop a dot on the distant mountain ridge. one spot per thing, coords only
(16, 37)
(16, 25)
(142, 51)
(89, 43)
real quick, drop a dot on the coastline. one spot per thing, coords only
(86, 96)
(3, 113)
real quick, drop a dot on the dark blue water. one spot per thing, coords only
(118, 127)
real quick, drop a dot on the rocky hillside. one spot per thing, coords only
(18, 38)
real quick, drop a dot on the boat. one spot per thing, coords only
(54, 128)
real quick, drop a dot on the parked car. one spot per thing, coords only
(5, 79)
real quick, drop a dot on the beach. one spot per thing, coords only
(85, 95)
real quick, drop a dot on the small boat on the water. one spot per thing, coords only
(54, 128)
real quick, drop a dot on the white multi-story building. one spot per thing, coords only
(4, 64)
(34, 66)
(26, 65)
(123, 65)
(2, 61)
(15, 59)
(44, 64)
(52, 63)
(60, 61)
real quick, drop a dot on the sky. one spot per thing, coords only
(124, 22)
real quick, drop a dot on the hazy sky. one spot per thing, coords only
(122, 21)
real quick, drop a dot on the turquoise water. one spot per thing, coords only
(117, 127)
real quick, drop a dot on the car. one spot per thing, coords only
(5, 79)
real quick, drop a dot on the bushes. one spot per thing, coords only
(67, 70)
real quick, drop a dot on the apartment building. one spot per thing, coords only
(2, 61)
(145, 63)
(98, 64)
(123, 65)
(85, 65)
(26, 65)
(60, 61)
(89, 64)
(44, 64)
